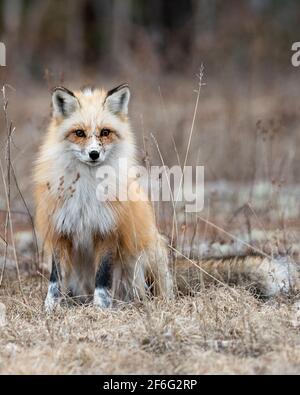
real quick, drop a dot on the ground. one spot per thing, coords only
(216, 331)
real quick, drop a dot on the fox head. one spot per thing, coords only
(92, 125)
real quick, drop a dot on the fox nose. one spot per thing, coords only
(94, 155)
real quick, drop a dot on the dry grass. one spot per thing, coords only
(213, 332)
(216, 331)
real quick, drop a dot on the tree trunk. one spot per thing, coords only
(121, 33)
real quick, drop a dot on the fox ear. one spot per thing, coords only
(117, 99)
(64, 102)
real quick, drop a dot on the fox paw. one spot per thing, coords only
(50, 304)
(102, 298)
(52, 299)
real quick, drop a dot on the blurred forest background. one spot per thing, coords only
(246, 131)
(157, 47)
(148, 36)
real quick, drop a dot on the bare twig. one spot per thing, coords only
(7, 188)
(200, 84)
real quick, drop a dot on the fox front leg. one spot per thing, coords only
(102, 298)
(53, 295)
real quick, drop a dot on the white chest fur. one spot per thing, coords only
(81, 214)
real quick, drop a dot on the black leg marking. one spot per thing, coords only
(103, 283)
(55, 271)
(103, 275)
(53, 294)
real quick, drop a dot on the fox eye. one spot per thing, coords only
(79, 133)
(105, 133)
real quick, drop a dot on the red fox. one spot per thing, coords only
(102, 250)
(94, 245)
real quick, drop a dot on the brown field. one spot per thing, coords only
(214, 332)
(251, 199)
